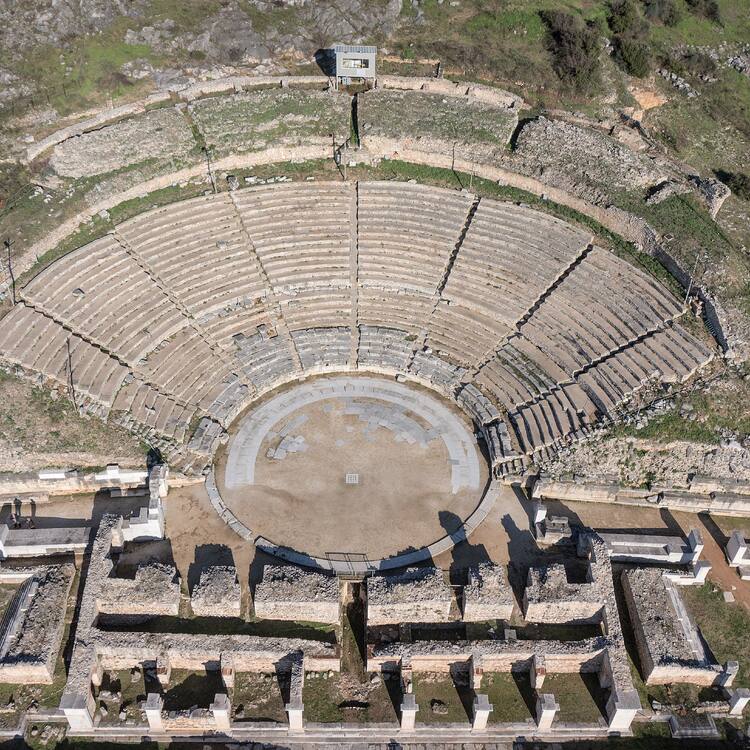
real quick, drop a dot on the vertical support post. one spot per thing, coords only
(295, 707)
(621, 709)
(409, 710)
(482, 708)
(546, 708)
(738, 699)
(476, 672)
(227, 671)
(79, 711)
(726, 678)
(153, 707)
(538, 672)
(221, 709)
(163, 669)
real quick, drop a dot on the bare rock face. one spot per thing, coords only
(29, 23)
(231, 36)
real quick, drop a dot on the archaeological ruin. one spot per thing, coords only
(356, 384)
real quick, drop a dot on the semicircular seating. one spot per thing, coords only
(175, 321)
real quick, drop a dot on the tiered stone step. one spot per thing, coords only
(107, 298)
(407, 233)
(38, 344)
(404, 311)
(441, 374)
(197, 247)
(316, 307)
(149, 413)
(386, 348)
(672, 356)
(186, 367)
(265, 360)
(602, 304)
(321, 348)
(519, 373)
(462, 334)
(300, 232)
(562, 415)
(510, 256)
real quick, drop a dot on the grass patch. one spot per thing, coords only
(724, 626)
(579, 696)
(715, 414)
(441, 700)
(257, 697)
(511, 696)
(336, 698)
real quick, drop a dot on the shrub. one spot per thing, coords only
(630, 37)
(623, 16)
(738, 183)
(634, 55)
(664, 11)
(707, 8)
(574, 45)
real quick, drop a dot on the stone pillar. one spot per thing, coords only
(482, 708)
(163, 669)
(153, 707)
(158, 479)
(406, 676)
(700, 570)
(404, 632)
(736, 549)
(538, 672)
(97, 674)
(227, 671)
(294, 710)
(728, 673)
(409, 710)
(540, 513)
(295, 707)
(476, 672)
(221, 709)
(546, 708)
(79, 711)
(695, 542)
(738, 699)
(621, 709)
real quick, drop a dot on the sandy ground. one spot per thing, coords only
(403, 500)
(197, 536)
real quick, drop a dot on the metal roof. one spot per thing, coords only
(356, 48)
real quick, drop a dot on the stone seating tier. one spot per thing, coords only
(449, 289)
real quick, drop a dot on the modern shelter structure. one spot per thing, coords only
(354, 63)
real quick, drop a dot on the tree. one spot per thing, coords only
(574, 45)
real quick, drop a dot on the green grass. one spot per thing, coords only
(330, 700)
(511, 696)
(87, 71)
(724, 626)
(579, 696)
(715, 409)
(436, 689)
(259, 698)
